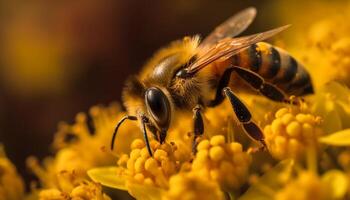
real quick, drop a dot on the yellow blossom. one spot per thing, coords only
(152, 171)
(192, 186)
(225, 163)
(11, 184)
(312, 188)
(86, 149)
(104, 120)
(291, 133)
(332, 185)
(78, 190)
(142, 175)
(332, 103)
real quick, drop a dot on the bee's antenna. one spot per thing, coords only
(117, 127)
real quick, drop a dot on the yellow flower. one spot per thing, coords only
(192, 186)
(104, 120)
(225, 163)
(287, 181)
(158, 177)
(331, 185)
(86, 149)
(64, 175)
(332, 103)
(291, 133)
(11, 184)
(328, 39)
(74, 189)
(306, 186)
(152, 171)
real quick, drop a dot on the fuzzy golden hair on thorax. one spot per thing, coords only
(184, 48)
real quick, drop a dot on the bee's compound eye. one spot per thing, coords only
(158, 106)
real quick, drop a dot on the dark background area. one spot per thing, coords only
(59, 58)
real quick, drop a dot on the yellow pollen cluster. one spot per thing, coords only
(223, 162)
(306, 186)
(85, 190)
(291, 132)
(11, 184)
(192, 186)
(152, 171)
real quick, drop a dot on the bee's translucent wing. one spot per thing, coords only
(227, 47)
(231, 27)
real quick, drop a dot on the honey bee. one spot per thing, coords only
(183, 77)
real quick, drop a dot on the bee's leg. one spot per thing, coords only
(144, 120)
(268, 90)
(198, 127)
(223, 82)
(244, 117)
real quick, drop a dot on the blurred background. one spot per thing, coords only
(58, 58)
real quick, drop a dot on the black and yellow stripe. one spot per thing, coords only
(276, 66)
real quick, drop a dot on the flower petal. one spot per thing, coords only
(338, 183)
(326, 109)
(108, 176)
(144, 192)
(340, 138)
(270, 182)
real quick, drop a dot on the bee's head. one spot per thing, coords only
(158, 108)
(151, 101)
(150, 105)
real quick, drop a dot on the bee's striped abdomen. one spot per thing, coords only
(276, 66)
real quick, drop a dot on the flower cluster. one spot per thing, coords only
(225, 163)
(312, 188)
(11, 184)
(331, 185)
(217, 166)
(291, 133)
(73, 188)
(65, 174)
(152, 171)
(192, 186)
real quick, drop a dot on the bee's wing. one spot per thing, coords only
(231, 27)
(228, 47)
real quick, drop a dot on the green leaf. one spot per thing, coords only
(108, 176)
(337, 182)
(340, 138)
(269, 183)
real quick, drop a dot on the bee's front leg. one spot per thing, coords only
(198, 126)
(244, 117)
